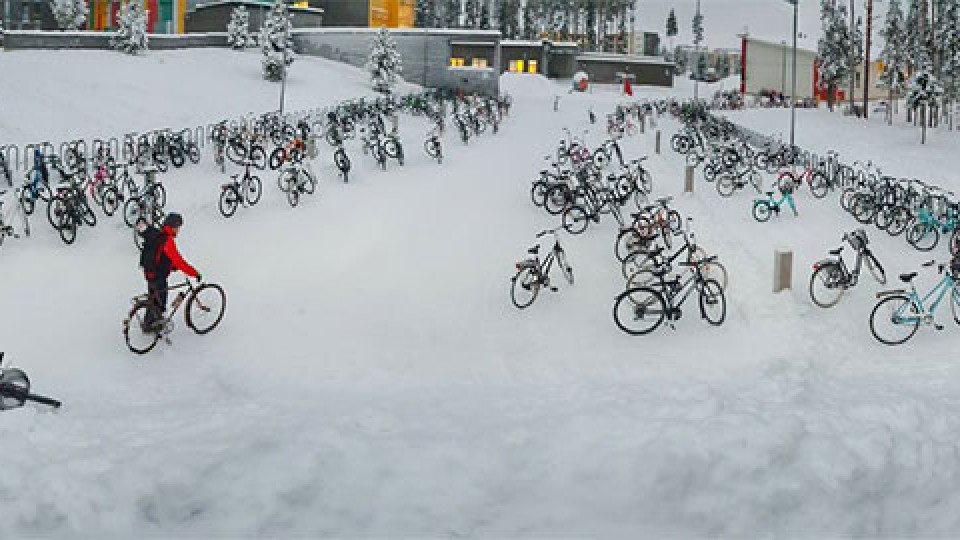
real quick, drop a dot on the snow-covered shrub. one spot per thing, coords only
(275, 42)
(384, 62)
(131, 35)
(238, 34)
(69, 14)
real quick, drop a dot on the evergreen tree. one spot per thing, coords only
(69, 14)
(894, 53)
(833, 49)
(698, 29)
(425, 14)
(131, 36)
(384, 62)
(671, 25)
(238, 29)
(485, 15)
(472, 14)
(507, 18)
(529, 25)
(591, 20)
(451, 15)
(923, 91)
(275, 42)
(948, 47)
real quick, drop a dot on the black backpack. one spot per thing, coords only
(150, 257)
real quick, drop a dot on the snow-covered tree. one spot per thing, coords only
(69, 14)
(451, 14)
(471, 14)
(948, 48)
(275, 41)
(425, 14)
(893, 57)
(238, 29)
(834, 47)
(507, 18)
(131, 36)
(384, 62)
(698, 28)
(923, 91)
(485, 16)
(529, 23)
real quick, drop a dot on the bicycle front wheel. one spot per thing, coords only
(206, 307)
(229, 200)
(138, 340)
(894, 320)
(826, 285)
(713, 304)
(575, 219)
(761, 211)
(639, 311)
(252, 189)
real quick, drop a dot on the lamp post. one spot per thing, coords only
(783, 67)
(793, 91)
(696, 54)
(283, 80)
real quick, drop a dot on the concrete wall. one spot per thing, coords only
(769, 67)
(525, 53)
(425, 53)
(101, 40)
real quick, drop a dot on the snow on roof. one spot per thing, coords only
(215, 3)
(437, 31)
(521, 43)
(631, 59)
(778, 44)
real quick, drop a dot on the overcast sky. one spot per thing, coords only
(771, 20)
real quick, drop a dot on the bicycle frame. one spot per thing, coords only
(947, 284)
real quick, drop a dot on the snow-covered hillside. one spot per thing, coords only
(371, 377)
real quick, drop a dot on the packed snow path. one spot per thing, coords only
(371, 378)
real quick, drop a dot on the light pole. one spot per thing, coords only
(283, 80)
(696, 54)
(793, 91)
(783, 67)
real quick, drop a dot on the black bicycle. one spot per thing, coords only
(206, 304)
(832, 277)
(15, 390)
(641, 310)
(532, 273)
(242, 190)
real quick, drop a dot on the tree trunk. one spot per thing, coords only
(890, 107)
(923, 122)
(866, 61)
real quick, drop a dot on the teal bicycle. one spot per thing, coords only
(764, 208)
(925, 233)
(899, 313)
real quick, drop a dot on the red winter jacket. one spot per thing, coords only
(169, 251)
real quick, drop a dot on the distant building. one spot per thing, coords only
(27, 15)
(651, 44)
(768, 66)
(163, 16)
(214, 16)
(367, 13)
(613, 68)
(555, 59)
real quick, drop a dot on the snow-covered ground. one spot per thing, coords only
(371, 377)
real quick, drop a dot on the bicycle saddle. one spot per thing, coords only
(907, 278)
(534, 250)
(836, 252)
(664, 200)
(4, 192)
(769, 193)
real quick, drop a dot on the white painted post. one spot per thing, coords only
(688, 180)
(657, 146)
(782, 269)
(643, 123)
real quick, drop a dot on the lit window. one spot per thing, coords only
(480, 63)
(516, 66)
(456, 62)
(301, 4)
(532, 66)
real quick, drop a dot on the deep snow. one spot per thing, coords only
(371, 377)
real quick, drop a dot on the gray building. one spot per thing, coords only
(612, 68)
(214, 16)
(651, 44)
(27, 15)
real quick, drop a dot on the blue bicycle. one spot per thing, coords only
(764, 208)
(898, 314)
(37, 185)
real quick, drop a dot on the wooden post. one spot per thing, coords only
(643, 123)
(688, 180)
(782, 269)
(657, 145)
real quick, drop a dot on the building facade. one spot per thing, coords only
(27, 15)
(214, 16)
(163, 16)
(614, 68)
(768, 67)
(367, 13)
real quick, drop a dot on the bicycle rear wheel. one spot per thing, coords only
(229, 200)
(205, 307)
(639, 311)
(524, 287)
(826, 285)
(137, 339)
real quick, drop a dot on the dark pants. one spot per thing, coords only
(157, 290)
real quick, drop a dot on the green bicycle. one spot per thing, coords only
(898, 314)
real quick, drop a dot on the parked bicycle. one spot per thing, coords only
(831, 277)
(532, 273)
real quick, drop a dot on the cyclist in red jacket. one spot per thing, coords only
(158, 259)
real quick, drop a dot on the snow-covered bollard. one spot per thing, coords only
(643, 123)
(782, 269)
(688, 180)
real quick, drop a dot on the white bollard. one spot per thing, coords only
(782, 269)
(643, 123)
(688, 180)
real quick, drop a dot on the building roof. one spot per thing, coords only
(521, 43)
(778, 45)
(250, 3)
(626, 58)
